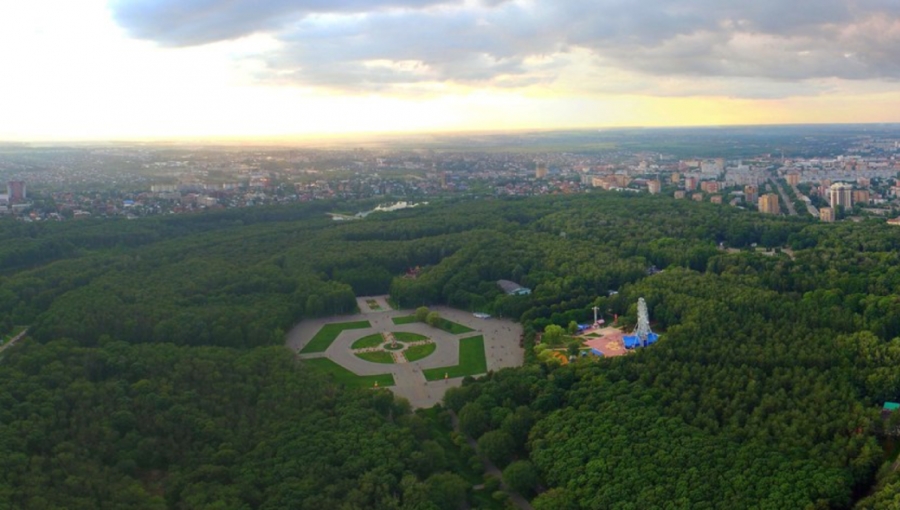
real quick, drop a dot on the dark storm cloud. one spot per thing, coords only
(365, 44)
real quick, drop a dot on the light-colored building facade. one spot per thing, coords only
(840, 194)
(768, 204)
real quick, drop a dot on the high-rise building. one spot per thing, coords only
(540, 170)
(16, 191)
(709, 186)
(768, 204)
(676, 177)
(653, 187)
(826, 214)
(840, 194)
(690, 183)
(793, 179)
(860, 196)
(679, 194)
(751, 193)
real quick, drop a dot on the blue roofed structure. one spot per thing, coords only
(642, 335)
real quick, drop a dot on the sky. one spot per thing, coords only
(295, 69)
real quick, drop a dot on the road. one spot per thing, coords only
(811, 209)
(13, 340)
(784, 197)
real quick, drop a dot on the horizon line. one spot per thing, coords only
(306, 138)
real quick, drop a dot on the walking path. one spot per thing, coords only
(492, 470)
(501, 345)
(12, 341)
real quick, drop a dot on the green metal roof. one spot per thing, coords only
(891, 406)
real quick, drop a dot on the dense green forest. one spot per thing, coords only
(149, 378)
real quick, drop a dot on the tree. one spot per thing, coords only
(433, 319)
(555, 499)
(521, 476)
(497, 445)
(447, 491)
(553, 334)
(572, 328)
(422, 313)
(473, 420)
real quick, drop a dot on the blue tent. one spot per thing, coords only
(633, 342)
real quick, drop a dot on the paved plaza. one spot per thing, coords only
(501, 345)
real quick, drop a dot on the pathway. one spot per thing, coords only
(501, 345)
(13, 340)
(491, 469)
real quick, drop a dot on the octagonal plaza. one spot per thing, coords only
(501, 347)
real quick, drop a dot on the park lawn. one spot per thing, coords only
(447, 325)
(403, 336)
(328, 333)
(373, 340)
(453, 328)
(471, 361)
(417, 352)
(348, 378)
(376, 357)
(406, 319)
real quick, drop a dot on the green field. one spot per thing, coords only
(376, 357)
(417, 352)
(403, 336)
(446, 325)
(452, 327)
(471, 361)
(348, 378)
(368, 341)
(328, 333)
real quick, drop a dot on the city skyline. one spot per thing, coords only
(273, 69)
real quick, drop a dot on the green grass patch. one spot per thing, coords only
(417, 352)
(348, 378)
(376, 357)
(368, 341)
(471, 361)
(446, 325)
(403, 336)
(328, 333)
(406, 319)
(453, 328)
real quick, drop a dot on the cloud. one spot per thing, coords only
(385, 44)
(194, 22)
